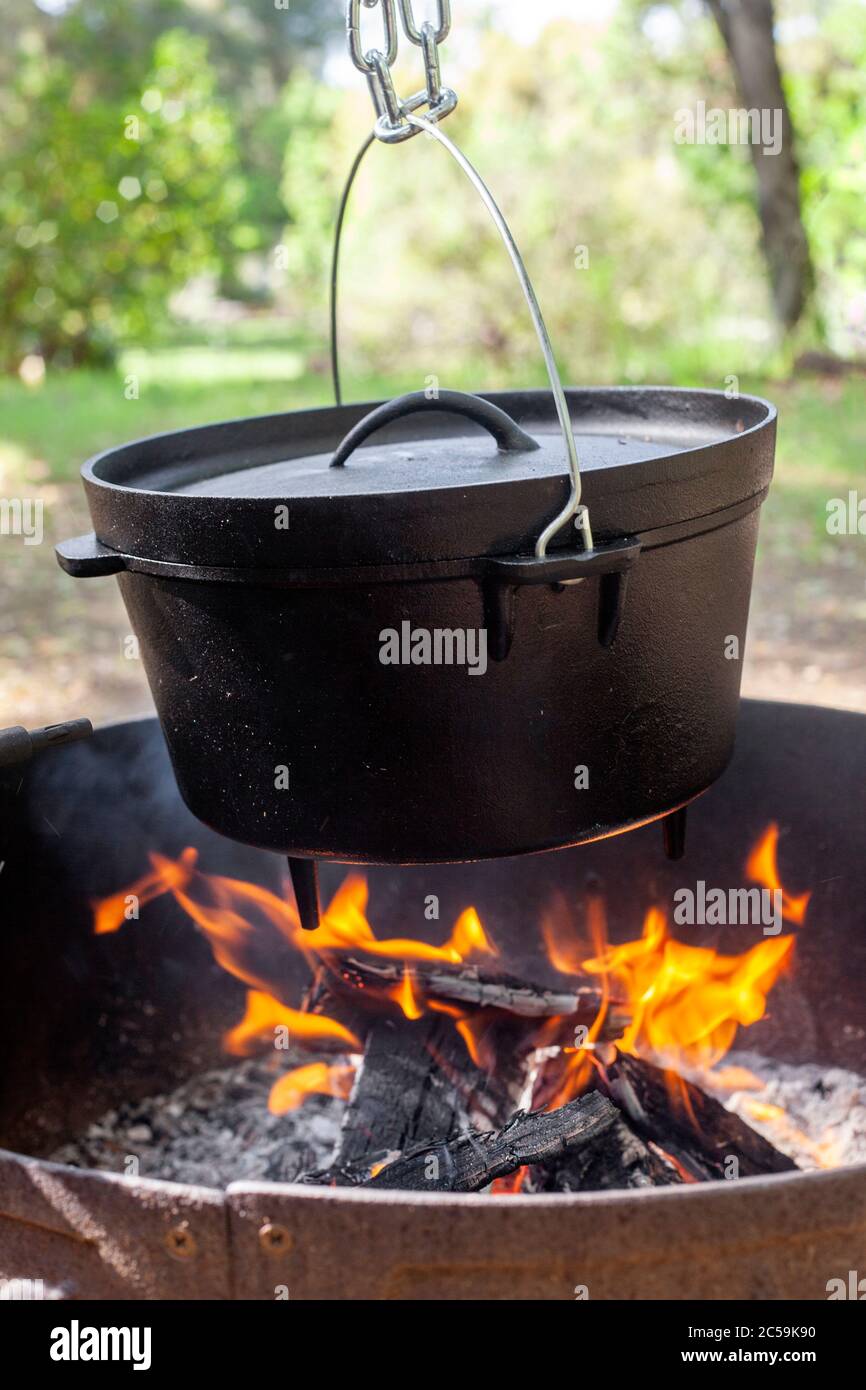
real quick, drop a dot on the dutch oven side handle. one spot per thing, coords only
(510, 438)
(85, 557)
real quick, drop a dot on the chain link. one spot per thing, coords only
(364, 61)
(392, 125)
(443, 25)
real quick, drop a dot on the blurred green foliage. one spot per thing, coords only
(646, 253)
(141, 143)
(828, 100)
(637, 276)
(108, 205)
(823, 51)
(145, 143)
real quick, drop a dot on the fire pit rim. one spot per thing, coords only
(454, 1200)
(532, 1200)
(167, 1240)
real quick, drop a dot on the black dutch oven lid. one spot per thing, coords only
(423, 481)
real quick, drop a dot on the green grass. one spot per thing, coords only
(820, 454)
(48, 431)
(70, 417)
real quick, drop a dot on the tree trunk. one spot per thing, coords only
(746, 27)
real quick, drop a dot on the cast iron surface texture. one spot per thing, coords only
(288, 732)
(406, 763)
(430, 488)
(87, 1021)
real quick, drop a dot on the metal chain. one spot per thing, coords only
(392, 125)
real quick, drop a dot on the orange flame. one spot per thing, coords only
(687, 1002)
(226, 909)
(684, 1003)
(564, 949)
(265, 1014)
(345, 927)
(578, 1067)
(231, 914)
(404, 995)
(762, 867)
(111, 913)
(317, 1077)
(510, 1186)
(470, 1025)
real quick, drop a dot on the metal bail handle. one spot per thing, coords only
(573, 509)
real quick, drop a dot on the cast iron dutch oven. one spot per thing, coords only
(297, 610)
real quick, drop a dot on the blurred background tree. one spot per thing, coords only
(151, 145)
(747, 28)
(701, 258)
(169, 176)
(141, 143)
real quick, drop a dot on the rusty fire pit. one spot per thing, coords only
(89, 1021)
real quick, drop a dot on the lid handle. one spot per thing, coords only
(510, 438)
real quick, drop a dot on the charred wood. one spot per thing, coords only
(471, 1161)
(467, 987)
(403, 1090)
(691, 1127)
(619, 1159)
(417, 1082)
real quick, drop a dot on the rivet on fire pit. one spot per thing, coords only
(181, 1242)
(274, 1240)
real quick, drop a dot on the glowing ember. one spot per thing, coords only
(780, 1127)
(510, 1186)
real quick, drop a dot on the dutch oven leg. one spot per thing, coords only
(674, 831)
(305, 881)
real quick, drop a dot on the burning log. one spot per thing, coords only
(466, 987)
(472, 1160)
(692, 1128)
(404, 1090)
(619, 1159)
(423, 1085)
(416, 1083)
